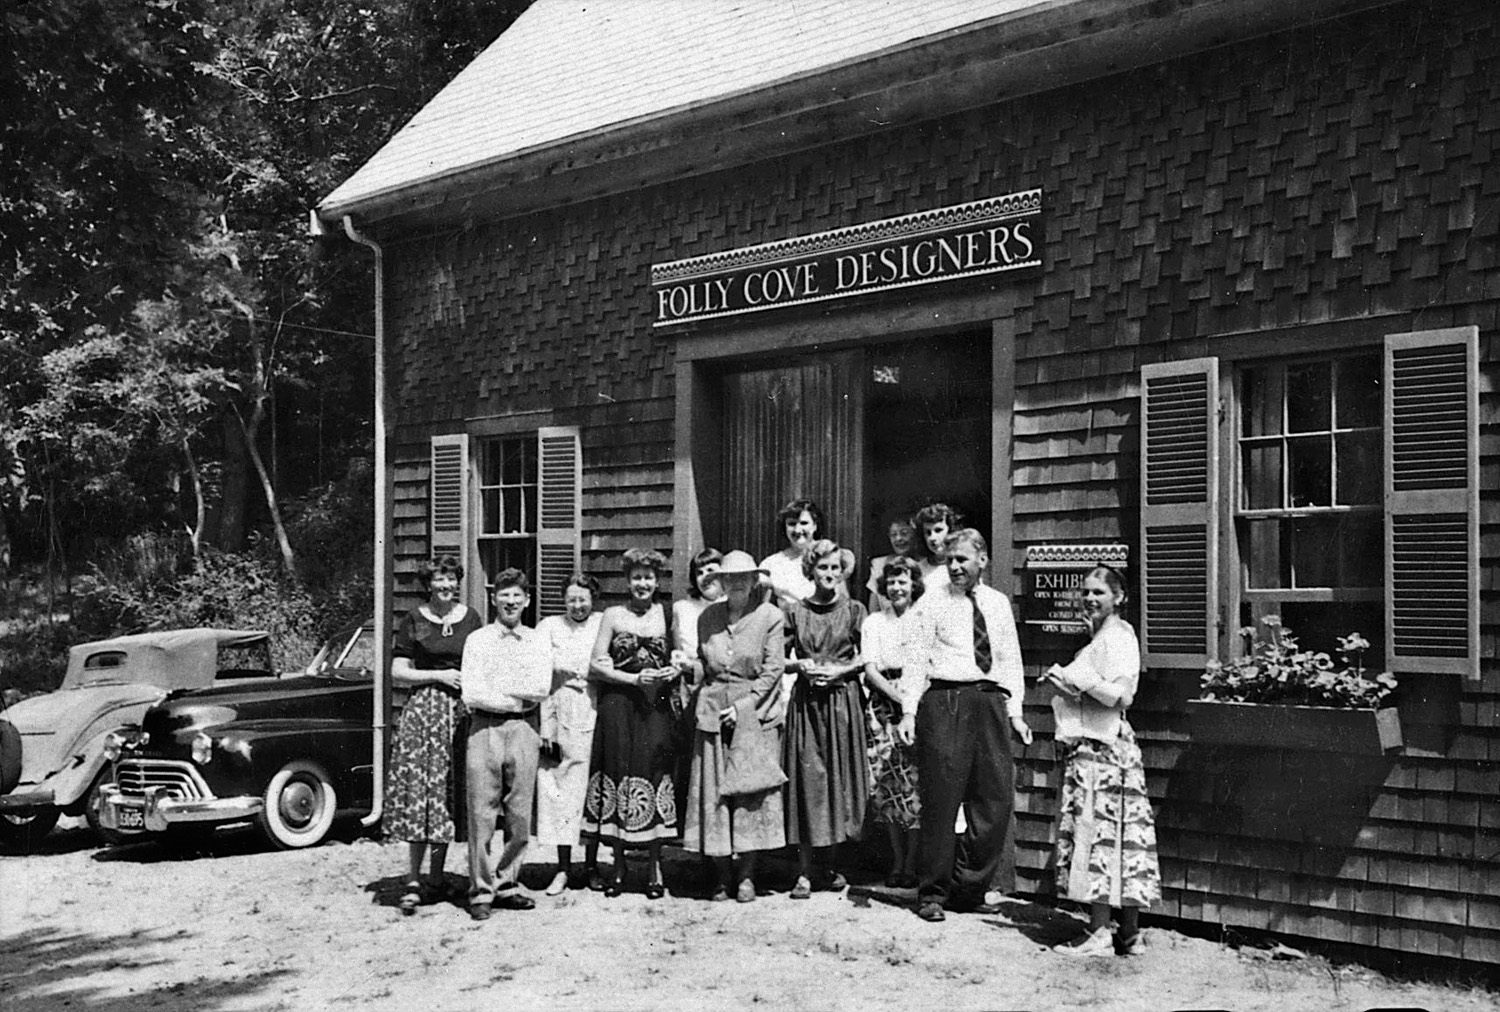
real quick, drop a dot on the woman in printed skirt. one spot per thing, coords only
(893, 766)
(1106, 837)
(741, 650)
(424, 792)
(631, 799)
(567, 730)
(828, 774)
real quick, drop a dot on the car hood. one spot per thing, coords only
(52, 725)
(304, 697)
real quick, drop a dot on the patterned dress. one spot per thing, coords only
(1106, 836)
(425, 787)
(893, 766)
(632, 794)
(828, 773)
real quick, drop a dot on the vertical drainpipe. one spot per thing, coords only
(383, 601)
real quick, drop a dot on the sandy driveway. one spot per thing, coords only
(141, 927)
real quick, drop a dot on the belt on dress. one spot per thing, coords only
(981, 684)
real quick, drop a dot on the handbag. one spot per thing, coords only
(752, 760)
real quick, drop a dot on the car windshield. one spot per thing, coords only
(359, 652)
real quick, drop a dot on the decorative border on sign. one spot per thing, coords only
(1073, 556)
(1010, 205)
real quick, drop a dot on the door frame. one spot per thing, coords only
(704, 350)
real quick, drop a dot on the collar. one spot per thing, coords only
(514, 633)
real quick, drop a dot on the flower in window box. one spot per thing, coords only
(1275, 669)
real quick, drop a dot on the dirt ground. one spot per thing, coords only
(237, 927)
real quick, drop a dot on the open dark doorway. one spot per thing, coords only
(927, 431)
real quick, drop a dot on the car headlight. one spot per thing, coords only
(113, 742)
(203, 748)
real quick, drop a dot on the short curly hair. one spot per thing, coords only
(643, 558)
(895, 567)
(442, 565)
(706, 557)
(819, 550)
(938, 512)
(587, 581)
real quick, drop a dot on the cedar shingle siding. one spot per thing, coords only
(1343, 178)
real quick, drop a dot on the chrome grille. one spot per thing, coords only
(136, 776)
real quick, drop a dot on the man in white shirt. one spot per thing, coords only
(961, 700)
(507, 671)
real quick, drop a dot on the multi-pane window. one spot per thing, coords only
(508, 489)
(1308, 506)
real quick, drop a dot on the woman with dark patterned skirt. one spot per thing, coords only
(631, 799)
(1106, 837)
(824, 757)
(893, 766)
(425, 791)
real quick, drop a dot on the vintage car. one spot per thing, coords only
(288, 756)
(53, 744)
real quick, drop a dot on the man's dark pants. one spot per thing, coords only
(963, 758)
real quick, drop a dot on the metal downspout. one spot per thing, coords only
(383, 600)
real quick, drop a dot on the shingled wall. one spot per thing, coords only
(1344, 176)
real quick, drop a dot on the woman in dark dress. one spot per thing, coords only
(424, 793)
(824, 755)
(631, 799)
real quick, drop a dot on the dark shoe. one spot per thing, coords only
(615, 888)
(514, 901)
(597, 882)
(580, 879)
(411, 899)
(720, 895)
(931, 911)
(802, 890)
(655, 891)
(834, 882)
(480, 911)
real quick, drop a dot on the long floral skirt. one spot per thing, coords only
(424, 801)
(1106, 836)
(893, 768)
(631, 796)
(828, 773)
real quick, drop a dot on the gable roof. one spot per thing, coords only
(590, 81)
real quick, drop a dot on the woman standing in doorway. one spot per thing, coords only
(934, 523)
(1106, 837)
(824, 755)
(801, 522)
(631, 798)
(425, 793)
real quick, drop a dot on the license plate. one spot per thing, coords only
(130, 818)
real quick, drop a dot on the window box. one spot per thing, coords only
(1281, 725)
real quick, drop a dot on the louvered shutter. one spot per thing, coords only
(560, 516)
(1432, 501)
(448, 513)
(1180, 512)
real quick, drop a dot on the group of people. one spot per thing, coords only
(767, 709)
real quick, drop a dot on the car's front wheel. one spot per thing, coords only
(299, 806)
(92, 808)
(22, 829)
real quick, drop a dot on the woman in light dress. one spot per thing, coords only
(801, 522)
(567, 731)
(935, 522)
(703, 590)
(1106, 837)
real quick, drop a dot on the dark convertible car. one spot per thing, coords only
(288, 755)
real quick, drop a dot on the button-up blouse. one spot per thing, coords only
(742, 665)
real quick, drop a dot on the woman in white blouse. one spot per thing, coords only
(567, 731)
(893, 766)
(1106, 837)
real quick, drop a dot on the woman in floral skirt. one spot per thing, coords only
(1106, 837)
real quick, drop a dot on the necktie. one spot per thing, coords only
(981, 637)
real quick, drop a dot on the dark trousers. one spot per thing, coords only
(963, 758)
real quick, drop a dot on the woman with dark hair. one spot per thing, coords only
(800, 522)
(631, 797)
(893, 766)
(1106, 837)
(935, 522)
(824, 755)
(567, 719)
(425, 792)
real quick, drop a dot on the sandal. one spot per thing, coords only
(1096, 943)
(411, 899)
(746, 893)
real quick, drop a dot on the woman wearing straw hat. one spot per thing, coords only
(734, 807)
